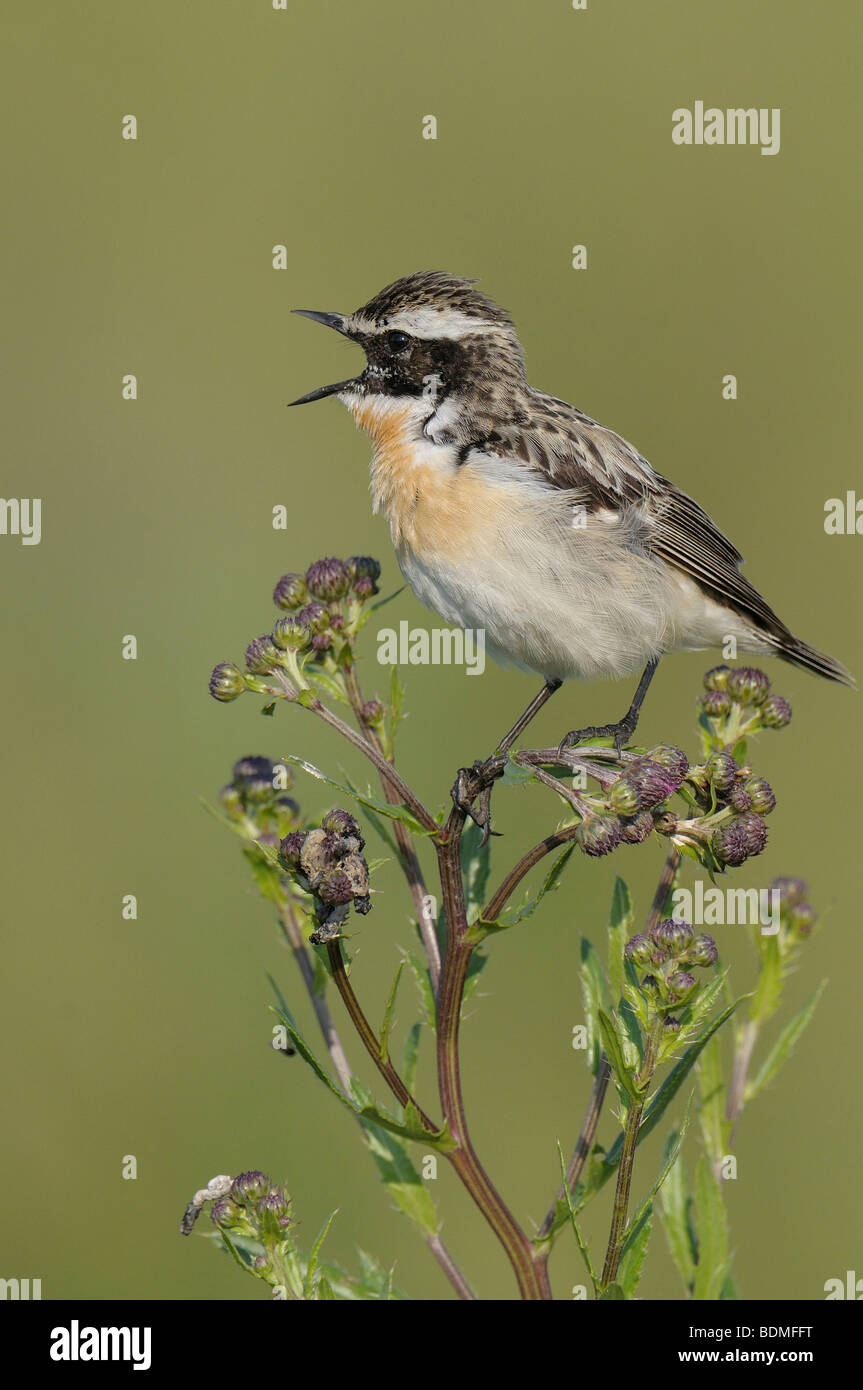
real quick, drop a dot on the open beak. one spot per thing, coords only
(338, 322)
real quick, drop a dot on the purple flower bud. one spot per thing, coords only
(315, 616)
(703, 951)
(739, 798)
(653, 783)
(680, 985)
(255, 765)
(672, 936)
(803, 919)
(342, 823)
(364, 567)
(715, 703)
(291, 847)
(722, 771)
(775, 712)
(224, 1212)
(671, 1025)
(335, 888)
(290, 635)
(365, 588)
(729, 844)
(226, 682)
(328, 579)
(623, 797)
(290, 592)
(261, 655)
(748, 685)
(761, 795)
(674, 759)
(373, 713)
(717, 678)
(321, 642)
(754, 830)
(250, 1187)
(598, 835)
(637, 829)
(790, 890)
(638, 949)
(231, 800)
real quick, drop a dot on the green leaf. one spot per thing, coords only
(311, 1267)
(669, 1158)
(614, 1052)
(324, 1290)
(381, 808)
(380, 826)
(267, 875)
(567, 1210)
(410, 1051)
(476, 867)
(511, 916)
(302, 1047)
(514, 775)
(673, 1216)
(420, 973)
(634, 1252)
(620, 924)
(613, 1293)
(712, 1230)
(711, 1112)
(784, 1045)
(595, 997)
(769, 988)
(402, 1181)
(387, 1024)
(323, 680)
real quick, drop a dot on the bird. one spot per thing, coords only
(513, 512)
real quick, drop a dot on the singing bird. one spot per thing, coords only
(512, 512)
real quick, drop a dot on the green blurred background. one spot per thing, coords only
(259, 127)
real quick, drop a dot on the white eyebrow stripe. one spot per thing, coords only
(428, 323)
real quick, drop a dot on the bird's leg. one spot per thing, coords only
(623, 730)
(477, 781)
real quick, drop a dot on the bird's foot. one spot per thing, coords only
(474, 784)
(621, 732)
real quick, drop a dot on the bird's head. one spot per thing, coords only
(428, 335)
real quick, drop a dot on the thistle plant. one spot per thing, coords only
(656, 1009)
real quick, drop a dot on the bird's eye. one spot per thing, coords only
(397, 341)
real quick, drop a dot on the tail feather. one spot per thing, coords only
(799, 653)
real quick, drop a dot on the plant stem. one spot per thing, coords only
(739, 1074)
(368, 1038)
(584, 1143)
(627, 1157)
(497, 902)
(408, 857)
(343, 1071)
(530, 1270)
(663, 888)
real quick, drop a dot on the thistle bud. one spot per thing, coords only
(715, 703)
(680, 986)
(671, 1025)
(652, 782)
(623, 797)
(729, 844)
(365, 588)
(315, 616)
(791, 890)
(231, 800)
(739, 798)
(598, 835)
(341, 822)
(637, 829)
(748, 685)
(373, 713)
(761, 795)
(775, 712)
(335, 888)
(290, 635)
(226, 682)
(672, 936)
(802, 919)
(703, 951)
(250, 1187)
(224, 1212)
(638, 949)
(717, 678)
(754, 830)
(290, 592)
(261, 655)
(321, 642)
(363, 567)
(674, 759)
(722, 771)
(254, 765)
(328, 579)
(290, 848)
